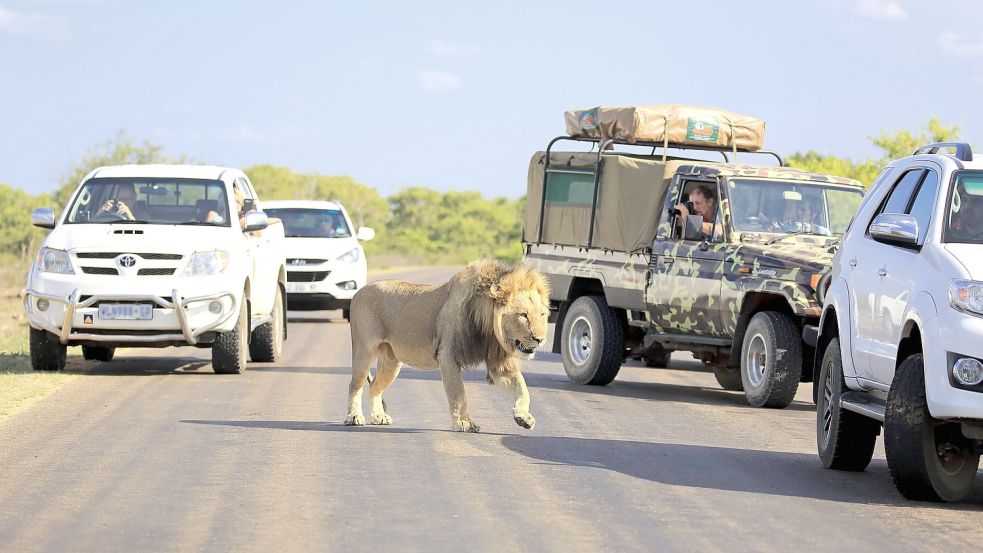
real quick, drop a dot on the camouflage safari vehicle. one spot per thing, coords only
(632, 277)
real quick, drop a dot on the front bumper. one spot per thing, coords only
(175, 319)
(322, 284)
(949, 335)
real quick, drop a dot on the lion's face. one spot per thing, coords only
(524, 323)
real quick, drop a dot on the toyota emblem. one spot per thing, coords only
(126, 260)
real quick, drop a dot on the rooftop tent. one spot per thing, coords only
(669, 124)
(630, 197)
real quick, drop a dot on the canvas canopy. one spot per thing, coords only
(630, 198)
(669, 124)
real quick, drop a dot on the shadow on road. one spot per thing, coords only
(140, 366)
(309, 426)
(654, 391)
(720, 468)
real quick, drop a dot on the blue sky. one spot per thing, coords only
(458, 95)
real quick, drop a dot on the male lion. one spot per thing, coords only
(488, 313)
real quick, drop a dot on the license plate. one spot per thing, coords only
(300, 286)
(138, 311)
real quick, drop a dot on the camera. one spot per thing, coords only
(689, 206)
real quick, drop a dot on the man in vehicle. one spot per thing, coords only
(704, 204)
(123, 204)
(967, 222)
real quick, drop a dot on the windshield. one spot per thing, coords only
(759, 205)
(160, 201)
(311, 223)
(964, 218)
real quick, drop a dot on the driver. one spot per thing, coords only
(967, 223)
(123, 204)
(799, 216)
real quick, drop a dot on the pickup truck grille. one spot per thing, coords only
(307, 276)
(155, 272)
(114, 255)
(100, 271)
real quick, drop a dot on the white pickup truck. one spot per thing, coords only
(149, 256)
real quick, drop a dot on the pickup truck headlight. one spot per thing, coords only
(207, 263)
(966, 295)
(351, 256)
(54, 261)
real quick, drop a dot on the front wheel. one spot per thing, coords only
(98, 353)
(771, 360)
(229, 348)
(930, 460)
(657, 357)
(47, 353)
(845, 440)
(593, 342)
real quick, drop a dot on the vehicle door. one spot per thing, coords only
(875, 312)
(264, 264)
(899, 269)
(683, 293)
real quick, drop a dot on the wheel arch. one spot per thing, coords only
(753, 303)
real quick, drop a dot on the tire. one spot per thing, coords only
(771, 360)
(266, 343)
(729, 378)
(229, 349)
(98, 353)
(845, 439)
(47, 353)
(912, 440)
(593, 342)
(657, 357)
(346, 314)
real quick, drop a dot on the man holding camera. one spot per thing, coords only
(124, 204)
(701, 202)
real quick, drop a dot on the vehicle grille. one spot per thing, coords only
(307, 276)
(303, 261)
(114, 255)
(100, 271)
(155, 272)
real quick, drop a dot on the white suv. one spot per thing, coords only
(901, 336)
(325, 263)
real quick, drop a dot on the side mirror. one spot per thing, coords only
(256, 220)
(43, 217)
(693, 227)
(895, 228)
(365, 233)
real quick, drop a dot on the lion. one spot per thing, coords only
(489, 313)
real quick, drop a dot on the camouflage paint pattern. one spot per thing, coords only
(686, 289)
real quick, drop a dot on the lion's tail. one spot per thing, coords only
(371, 379)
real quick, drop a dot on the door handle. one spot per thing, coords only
(853, 262)
(667, 261)
(882, 272)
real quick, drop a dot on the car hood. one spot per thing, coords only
(970, 256)
(318, 248)
(137, 238)
(791, 253)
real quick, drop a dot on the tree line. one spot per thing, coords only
(412, 225)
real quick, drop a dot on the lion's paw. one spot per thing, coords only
(466, 426)
(354, 420)
(525, 420)
(381, 419)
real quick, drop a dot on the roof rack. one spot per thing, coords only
(963, 150)
(595, 172)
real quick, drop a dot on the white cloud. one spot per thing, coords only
(21, 23)
(437, 81)
(955, 44)
(451, 49)
(887, 10)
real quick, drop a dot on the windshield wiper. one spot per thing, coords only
(784, 236)
(197, 223)
(129, 222)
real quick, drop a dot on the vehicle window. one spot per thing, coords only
(964, 216)
(164, 201)
(898, 200)
(311, 223)
(786, 207)
(924, 203)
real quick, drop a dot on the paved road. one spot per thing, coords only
(154, 452)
